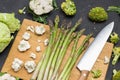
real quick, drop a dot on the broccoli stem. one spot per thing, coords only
(115, 59)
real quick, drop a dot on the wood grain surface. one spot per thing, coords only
(25, 56)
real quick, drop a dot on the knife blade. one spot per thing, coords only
(89, 58)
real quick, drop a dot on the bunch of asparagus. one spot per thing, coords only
(60, 39)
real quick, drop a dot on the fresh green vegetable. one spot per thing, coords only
(48, 52)
(70, 36)
(116, 75)
(96, 73)
(75, 53)
(98, 14)
(114, 9)
(38, 18)
(5, 36)
(10, 20)
(21, 11)
(114, 38)
(116, 54)
(69, 7)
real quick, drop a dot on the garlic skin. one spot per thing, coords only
(16, 64)
(23, 45)
(30, 66)
(40, 7)
(40, 30)
(26, 36)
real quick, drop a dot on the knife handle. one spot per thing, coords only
(84, 75)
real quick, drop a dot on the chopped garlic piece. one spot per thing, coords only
(30, 28)
(39, 30)
(46, 42)
(38, 49)
(30, 66)
(23, 46)
(16, 64)
(106, 60)
(26, 36)
(33, 55)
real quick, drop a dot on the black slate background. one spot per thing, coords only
(83, 7)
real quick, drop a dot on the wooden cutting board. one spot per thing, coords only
(25, 56)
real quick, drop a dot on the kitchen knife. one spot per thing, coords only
(88, 59)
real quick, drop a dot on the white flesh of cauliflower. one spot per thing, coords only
(30, 66)
(46, 42)
(39, 30)
(7, 77)
(26, 36)
(23, 46)
(16, 64)
(40, 7)
(33, 55)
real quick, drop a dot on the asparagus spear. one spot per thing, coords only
(56, 55)
(35, 74)
(52, 54)
(72, 53)
(47, 54)
(78, 52)
(64, 48)
(52, 66)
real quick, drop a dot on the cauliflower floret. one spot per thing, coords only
(30, 66)
(39, 30)
(7, 77)
(46, 42)
(38, 49)
(30, 28)
(16, 64)
(26, 36)
(40, 7)
(33, 55)
(23, 46)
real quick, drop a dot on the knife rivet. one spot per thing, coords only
(84, 74)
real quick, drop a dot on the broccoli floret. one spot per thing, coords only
(98, 14)
(116, 53)
(116, 75)
(114, 38)
(21, 11)
(69, 7)
(96, 73)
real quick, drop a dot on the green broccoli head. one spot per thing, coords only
(116, 53)
(114, 38)
(116, 75)
(69, 7)
(96, 73)
(98, 14)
